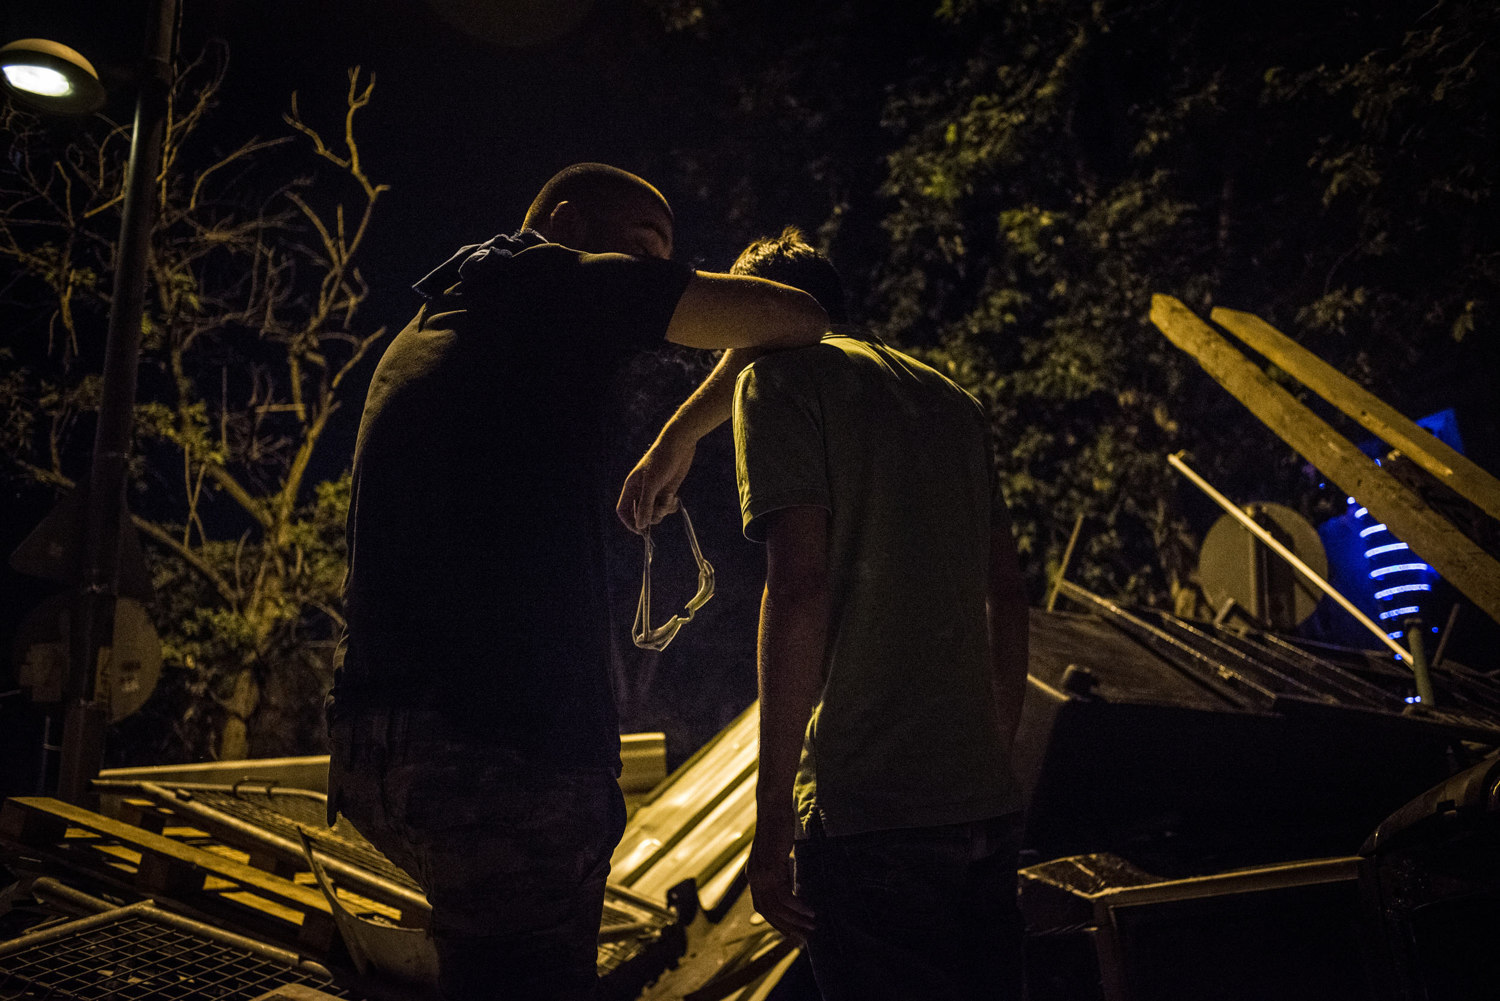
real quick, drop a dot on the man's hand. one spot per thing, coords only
(771, 890)
(650, 491)
(793, 634)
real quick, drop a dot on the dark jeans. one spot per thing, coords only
(911, 915)
(512, 855)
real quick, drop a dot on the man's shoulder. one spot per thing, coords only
(802, 366)
(554, 258)
(932, 380)
(539, 269)
(846, 362)
(875, 359)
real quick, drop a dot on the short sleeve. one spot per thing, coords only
(778, 440)
(608, 304)
(633, 296)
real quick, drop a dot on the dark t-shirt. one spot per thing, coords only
(476, 583)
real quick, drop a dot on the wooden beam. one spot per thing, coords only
(1452, 554)
(169, 867)
(1380, 419)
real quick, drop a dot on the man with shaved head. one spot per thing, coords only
(472, 724)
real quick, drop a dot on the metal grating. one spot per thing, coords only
(628, 928)
(625, 933)
(299, 806)
(1305, 677)
(284, 814)
(142, 952)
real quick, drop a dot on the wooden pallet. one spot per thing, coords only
(365, 892)
(153, 864)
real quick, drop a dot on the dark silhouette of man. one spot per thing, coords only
(472, 725)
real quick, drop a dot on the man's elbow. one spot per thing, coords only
(737, 311)
(791, 318)
(806, 323)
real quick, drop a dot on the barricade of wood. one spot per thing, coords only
(141, 862)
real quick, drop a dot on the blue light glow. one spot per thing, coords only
(1366, 532)
(1396, 613)
(1397, 634)
(1361, 512)
(1390, 547)
(1401, 589)
(1352, 501)
(1413, 699)
(1397, 568)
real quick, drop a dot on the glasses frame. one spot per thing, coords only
(641, 632)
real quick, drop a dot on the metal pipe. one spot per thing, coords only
(369, 883)
(66, 898)
(1413, 627)
(1067, 558)
(92, 625)
(1286, 554)
(1442, 647)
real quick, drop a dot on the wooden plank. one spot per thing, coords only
(273, 862)
(165, 864)
(1374, 414)
(167, 875)
(28, 826)
(143, 813)
(260, 845)
(1452, 554)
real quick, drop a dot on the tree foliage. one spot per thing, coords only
(1328, 168)
(1005, 184)
(251, 328)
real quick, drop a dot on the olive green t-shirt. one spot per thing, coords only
(905, 733)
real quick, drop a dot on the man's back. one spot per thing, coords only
(905, 734)
(475, 583)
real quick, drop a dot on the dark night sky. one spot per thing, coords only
(463, 129)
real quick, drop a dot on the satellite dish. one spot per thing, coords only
(1236, 569)
(128, 670)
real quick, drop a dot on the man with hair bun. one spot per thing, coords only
(472, 725)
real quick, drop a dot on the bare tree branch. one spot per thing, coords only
(253, 285)
(162, 536)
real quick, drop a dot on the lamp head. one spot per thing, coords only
(51, 77)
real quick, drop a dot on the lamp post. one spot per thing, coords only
(53, 77)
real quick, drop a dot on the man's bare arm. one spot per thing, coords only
(650, 490)
(747, 315)
(738, 311)
(1009, 625)
(793, 635)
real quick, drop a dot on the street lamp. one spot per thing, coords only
(53, 77)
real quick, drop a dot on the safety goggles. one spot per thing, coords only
(643, 635)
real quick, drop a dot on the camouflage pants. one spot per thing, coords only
(512, 855)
